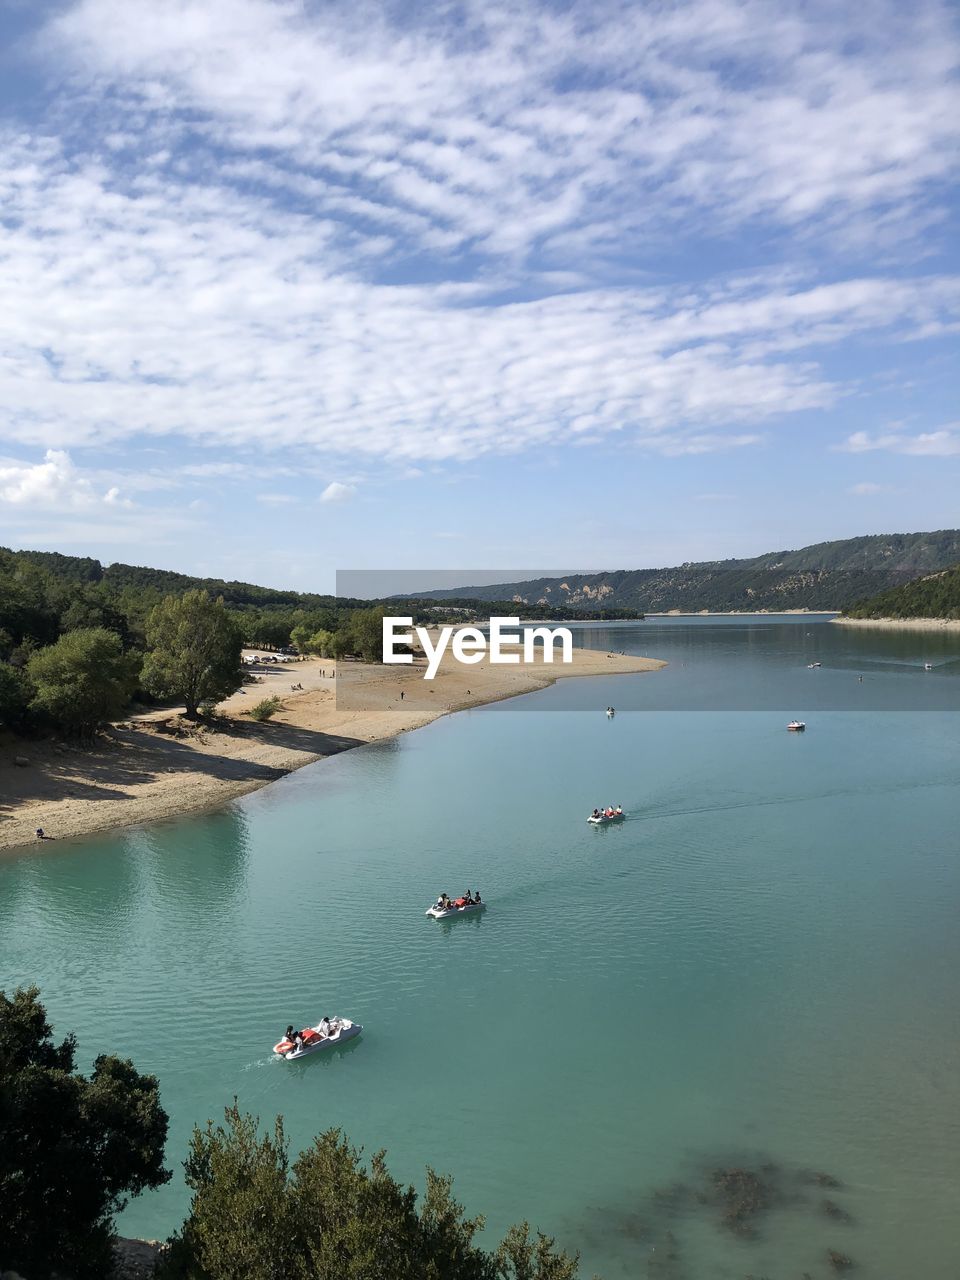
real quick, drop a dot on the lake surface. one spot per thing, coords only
(758, 968)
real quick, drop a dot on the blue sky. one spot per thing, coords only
(294, 287)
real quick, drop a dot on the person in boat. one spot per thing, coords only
(608, 812)
(618, 811)
(476, 897)
(289, 1033)
(297, 1042)
(326, 1026)
(595, 814)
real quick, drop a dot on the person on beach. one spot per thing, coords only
(401, 695)
(40, 834)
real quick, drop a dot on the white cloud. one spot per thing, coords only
(54, 483)
(337, 492)
(225, 268)
(866, 488)
(276, 499)
(944, 443)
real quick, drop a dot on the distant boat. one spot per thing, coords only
(811, 665)
(606, 815)
(928, 666)
(457, 908)
(796, 726)
(611, 712)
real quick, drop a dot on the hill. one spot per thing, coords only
(824, 576)
(936, 595)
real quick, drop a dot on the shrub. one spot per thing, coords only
(328, 1217)
(265, 709)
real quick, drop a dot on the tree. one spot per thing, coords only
(83, 679)
(15, 693)
(366, 628)
(72, 1149)
(194, 650)
(328, 1217)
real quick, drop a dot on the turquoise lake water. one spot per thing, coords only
(758, 968)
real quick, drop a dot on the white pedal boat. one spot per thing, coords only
(601, 819)
(314, 1039)
(447, 913)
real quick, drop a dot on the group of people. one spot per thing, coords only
(443, 903)
(608, 812)
(326, 1028)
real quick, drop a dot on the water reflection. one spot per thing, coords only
(198, 868)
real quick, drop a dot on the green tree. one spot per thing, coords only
(194, 650)
(322, 642)
(83, 679)
(329, 1217)
(300, 637)
(73, 1149)
(366, 629)
(15, 694)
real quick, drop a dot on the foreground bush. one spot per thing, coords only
(254, 1216)
(73, 1149)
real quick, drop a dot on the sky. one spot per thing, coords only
(292, 288)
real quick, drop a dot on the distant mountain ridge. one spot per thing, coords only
(824, 576)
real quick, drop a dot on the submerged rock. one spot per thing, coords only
(743, 1194)
(835, 1211)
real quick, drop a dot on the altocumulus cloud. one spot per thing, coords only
(252, 223)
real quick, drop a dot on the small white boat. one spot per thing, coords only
(611, 712)
(928, 666)
(796, 726)
(315, 1039)
(601, 819)
(811, 665)
(447, 913)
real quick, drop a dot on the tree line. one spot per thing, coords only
(934, 596)
(75, 1148)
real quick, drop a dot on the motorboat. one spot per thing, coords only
(606, 815)
(459, 907)
(325, 1035)
(928, 666)
(796, 726)
(811, 665)
(611, 712)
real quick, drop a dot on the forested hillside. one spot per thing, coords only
(936, 595)
(826, 576)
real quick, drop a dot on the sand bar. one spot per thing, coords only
(902, 624)
(160, 765)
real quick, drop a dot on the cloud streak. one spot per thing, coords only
(254, 225)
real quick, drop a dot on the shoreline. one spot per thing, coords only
(902, 624)
(158, 765)
(744, 613)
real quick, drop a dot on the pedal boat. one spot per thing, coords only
(447, 913)
(314, 1041)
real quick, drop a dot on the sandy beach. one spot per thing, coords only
(902, 624)
(159, 765)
